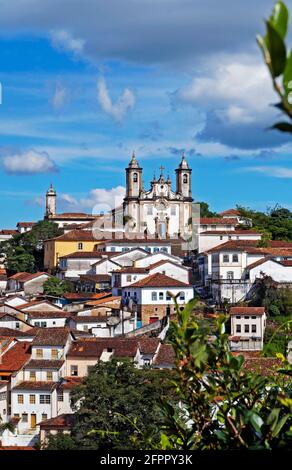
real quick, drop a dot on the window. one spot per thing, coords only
(36, 323)
(85, 327)
(246, 328)
(147, 248)
(168, 296)
(163, 250)
(155, 250)
(39, 353)
(45, 399)
(44, 416)
(32, 375)
(230, 275)
(60, 395)
(225, 258)
(17, 325)
(221, 237)
(161, 296)
(253, 317)
(54, 353)
(154, 296)
(113, 248)
(149, 209)
(204, 227)
(238, 317)
(238, 328)
(185, 178)
(135, 177)
(80, 246)
(235, 258)
(173, 210)
(74, 370)
(181, 296)
(20, 399)
(43, 324)
(24, 417)
(253, 328)
(213, 227)
(246, 317)
(49, 376)
(3, 396)
(128, 277)
(32, 399)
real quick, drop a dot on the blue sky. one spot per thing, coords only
(86, 82)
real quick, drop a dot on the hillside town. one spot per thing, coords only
(121, 300)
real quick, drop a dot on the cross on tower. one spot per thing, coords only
(161, 168)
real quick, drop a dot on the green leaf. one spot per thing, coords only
(279, 18)
(277, 50)
(273, 417)
(282, 126)
(280, 424)
(287, 77)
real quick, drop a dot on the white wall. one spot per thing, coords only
(154, 258)
(271, 268)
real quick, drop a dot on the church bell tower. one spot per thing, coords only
(183, 179)
(51, 202)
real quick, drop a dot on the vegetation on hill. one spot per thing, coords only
(57, 287)
(274, 224)
(25, 251)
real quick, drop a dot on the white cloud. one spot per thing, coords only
(64, 40)
(68, 199)
(121, 107)
(274, 171)
(29, 162)
(238, 90)
(60, 96)
(103, 199)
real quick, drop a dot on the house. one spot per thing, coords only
(40, 305)
(4, 400)
(218, 223)
(7, 320)
(6, 234)
(150, 297)
(24, 227)
(127, 258)
(104, 322)
(3, 280)
(47, 319)
(60, 424)
(151, 259)
(81, 262)
(29, 283)
(93, 283)
(14, 300)
(223, 269)
(235, 214)
(247, 328)
(151, 245)
(165, 357)
(211, 238)
(70, 242)
(279, 270)
(126, 276)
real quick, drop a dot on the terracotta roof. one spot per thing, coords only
(94, 347)
(30, 385)
(64, 421)
(165, 356)
(159, 280)
(131, 270)
(75, 215)
(47, 314)
(84, 255)
(247, 310)
(25, 224)
(89, 318)
(38, 302)
(44, 364)
(148, 345)
(70, 382)
(230, 212)
(111, 298)
(15, 357)
(76, 235)
(57, 336)
(274, 248)
(24, 277)
(8, 232)
(13, 333)
(85, 295)
(217, 221)
(230, 232)
(134, 241)
(17, 448)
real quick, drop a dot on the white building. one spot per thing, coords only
(247, 328)
(212, 238)
(150, 245)
(160, 211)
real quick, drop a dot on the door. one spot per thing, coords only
(33, 421)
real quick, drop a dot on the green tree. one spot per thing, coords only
(60, 441)
(205, 211)
(278, 59)
(116, 404)
(57, 287)
(24, 252)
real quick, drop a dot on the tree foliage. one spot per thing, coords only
(24, 251)
(278, 59)
(57, 287)
(274, 224)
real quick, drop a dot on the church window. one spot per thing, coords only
(149, 210)
(173, 210)
(185, 178)
(135, 177)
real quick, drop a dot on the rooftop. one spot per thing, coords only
(64, 421)
(24, 276)
(30, 385)
(15, 357)
(258, 311)
(159, 280)
(44, 364)
(51, 336)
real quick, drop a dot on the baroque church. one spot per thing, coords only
(159, 212)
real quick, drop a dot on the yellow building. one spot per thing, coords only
(76, 240)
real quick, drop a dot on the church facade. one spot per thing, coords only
(159, 212)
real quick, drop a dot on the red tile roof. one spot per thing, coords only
(77, 235)
(230, 212)
(24, 277)
(84, 255)
(15, 357)
(230, 232)
(25, 224)
(105, 300)
(47, 314)
(266, 366)
(217, 221)
(95, 277)
(94, 347)
(8, 232)
(247, 311)
(64, 421)
(56, 336)
(159, 280)
(165, 356)
(44, 364)
(30, 385)
(85, 295)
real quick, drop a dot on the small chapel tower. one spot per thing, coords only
(51, 202)
(183, 179)
(133, 178)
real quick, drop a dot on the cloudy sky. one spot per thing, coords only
(86, 82)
